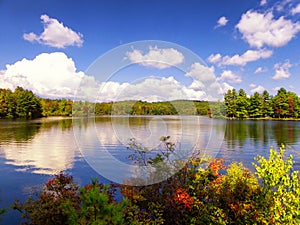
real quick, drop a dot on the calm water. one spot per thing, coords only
(30, 152)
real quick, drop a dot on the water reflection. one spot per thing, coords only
(17, 132)
(103, 141)
(44, 147)
(265, 132)
(48, 146)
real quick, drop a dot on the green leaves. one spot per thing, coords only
(19, 104)
(281, 187)
(284, 104)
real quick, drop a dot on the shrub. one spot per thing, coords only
(48, 206)
(193, 195)
(280, 199)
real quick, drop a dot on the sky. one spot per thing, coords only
(149, 50)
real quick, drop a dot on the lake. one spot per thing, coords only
(32, 151)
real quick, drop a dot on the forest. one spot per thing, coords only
(19, 104)
(25, 104)
(284, 104)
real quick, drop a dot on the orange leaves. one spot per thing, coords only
(183, 198)
(216, 165)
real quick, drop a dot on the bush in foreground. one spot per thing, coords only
(193, 195)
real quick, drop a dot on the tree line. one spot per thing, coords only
(285, 104)
(23, 103)
(19, 104)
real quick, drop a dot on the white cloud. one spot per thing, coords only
(240, 60)
(48, 74)
(263, 2)
(230, 77)
(260, 29)
(260, 70)
(156, 57)
(221, 87)
(258, 89)
(203, 86)
(226, 87)
(149, 89)
(296, 9)
(201, 73)
(215, 58)
(55, 34)
(252, 85)
(54, 75)
(282, 71)
(222, 22)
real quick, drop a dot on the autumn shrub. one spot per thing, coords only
(203, 191)
(62, 202)
(222, 195)
(48, 205)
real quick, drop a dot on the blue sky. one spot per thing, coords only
(49, 46)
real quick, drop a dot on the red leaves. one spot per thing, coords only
(183, 198)
(215, 165)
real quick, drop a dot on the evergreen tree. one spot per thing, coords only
(27, 104)
(230, 103)
(256, 106)
(267, 109)
(242, 104)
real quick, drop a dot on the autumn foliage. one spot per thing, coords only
(201, 192)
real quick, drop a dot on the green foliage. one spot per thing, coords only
(217, 109)
(284, 104)
(57, 107)
(97, 207)
(256, 106)
(19, 104)
(61, 202)
(230, 99)
(177, 107)
(281, 187)
(242, 104)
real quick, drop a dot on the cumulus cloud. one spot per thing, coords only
(54, 75)
(214, 58)
(222, 22)
(282, 71)
(240, 60)
(260, 29)
(230, 77)
(252, 85)
(203, 87)
(258, 89)
(48, 74)
(201, 73)
(150, 89)
(160, 58)
(55, 34)
(296, 9)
